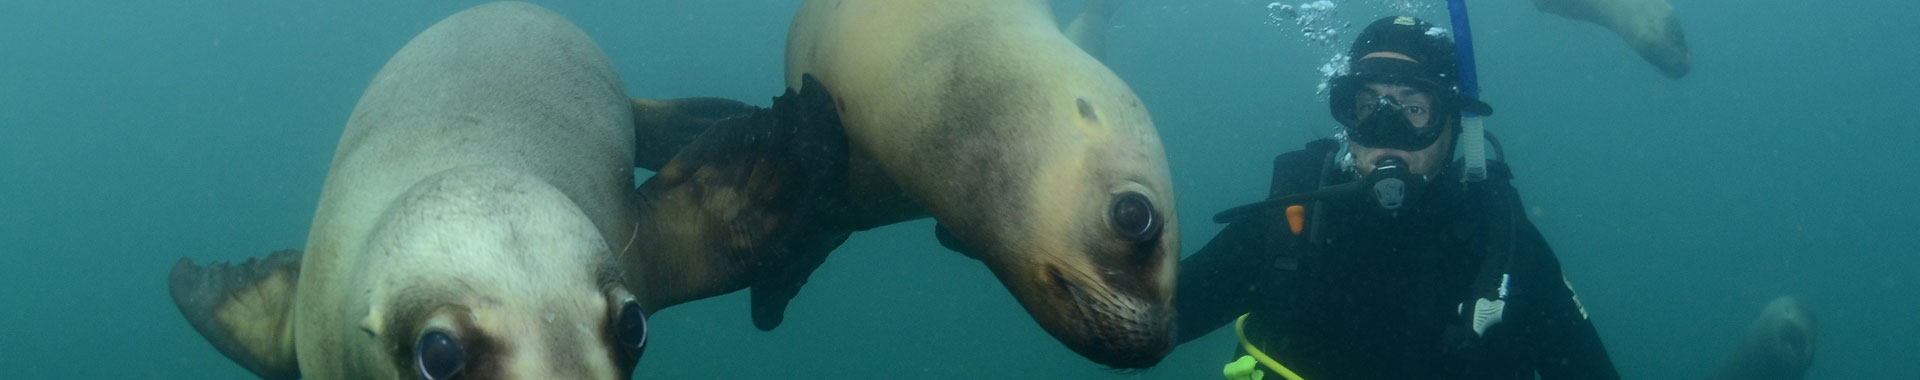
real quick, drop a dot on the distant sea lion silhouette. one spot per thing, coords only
(1778, 346)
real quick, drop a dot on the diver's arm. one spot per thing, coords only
(1214, 282)
(1562, 341)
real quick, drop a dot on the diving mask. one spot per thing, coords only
(1386, 126)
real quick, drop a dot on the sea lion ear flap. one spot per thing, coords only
(245, 310)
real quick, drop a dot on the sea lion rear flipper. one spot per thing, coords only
(662, 127)
(245, 310)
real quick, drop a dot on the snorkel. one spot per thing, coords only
(1473, 128)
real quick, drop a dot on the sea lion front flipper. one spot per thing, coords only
(753, 202)
(769, 298)
(953, 243)
(662, 127)
(245, 310)
(820, 144)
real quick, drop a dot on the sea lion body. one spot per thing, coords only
(1649, 26)
(985, 116)
(479, 191)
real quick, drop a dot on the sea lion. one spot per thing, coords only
(1778, 346)
(468, 225)
(1647, 25)
(1025, 149)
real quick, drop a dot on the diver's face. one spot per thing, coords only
(1418, 110)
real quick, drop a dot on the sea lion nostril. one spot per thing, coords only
(1134, 218)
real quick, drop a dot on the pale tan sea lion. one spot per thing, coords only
(1778, 346)
(468, 225)
(1647, 25)
(1028, 151)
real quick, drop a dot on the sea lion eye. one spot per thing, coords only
(632, 328)
(1134, 218)
(439, 356)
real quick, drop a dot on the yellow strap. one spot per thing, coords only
(1240, 330)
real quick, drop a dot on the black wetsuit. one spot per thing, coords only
(1366, 295)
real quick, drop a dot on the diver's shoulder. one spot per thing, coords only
(1311, 153)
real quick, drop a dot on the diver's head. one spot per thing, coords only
(1401, 97)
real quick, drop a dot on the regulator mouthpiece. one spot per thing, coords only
(1392, 183)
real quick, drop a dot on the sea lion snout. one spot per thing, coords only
(1108, 294)
(1789, 329)
(1108, 327)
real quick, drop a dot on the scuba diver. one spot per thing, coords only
(1374, 259)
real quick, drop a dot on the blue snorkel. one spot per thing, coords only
(1472, 126)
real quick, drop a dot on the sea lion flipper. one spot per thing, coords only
(245, 310)
(819, 144)
(769, 297)
(752, 202)
(662, 127)
(953, 243)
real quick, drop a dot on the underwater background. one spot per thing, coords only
(133, 133)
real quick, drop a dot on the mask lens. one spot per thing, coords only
(1384, 124)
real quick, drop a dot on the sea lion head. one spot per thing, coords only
(1081, 223)
(490, 273)
(1785, 334)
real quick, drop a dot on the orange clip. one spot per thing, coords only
(1297, 218)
